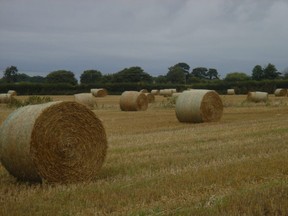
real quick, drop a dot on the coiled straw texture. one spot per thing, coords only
(133, 101)
(198, 106)
(99, 92)
(60, 142)
(280, 92)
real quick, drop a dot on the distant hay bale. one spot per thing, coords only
(12, 92)
(155, 91)
(166, 92)
(144, 90)
(174, 90)
(99, 92)
(198, 106)
(176, 94)
(280, 92)
(59, 141)
(86, 99)
(150, 97)
(133, 101)
(5, 98)
(257, 96)
(230, 92)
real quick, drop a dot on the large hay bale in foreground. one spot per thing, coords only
(86, 99)
(133, 101)
(12, 92)
(280, 92)
(230, 92)
(198, 106)
(56, 142)
(257, 96)
(99, 92)
(5, 98)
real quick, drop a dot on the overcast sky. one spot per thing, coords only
(40, 36)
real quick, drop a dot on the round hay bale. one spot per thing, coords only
(166, 92)
(133, 101)
(99, 92)
(174, 90)
(86, 99)
(144, 91)
(257, 96)
(280, 92)
(12, 92)
(155, 91)
(5, 98)
(150, 97)
(59, 141)
(199, 106)
(230, 92)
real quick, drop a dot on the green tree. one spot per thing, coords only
(212, 73)
(107, 78)
(161, 79)
(199, 72)
(176, 74)
(184, 66)
(132, 74)
(236, 76)
(90, 76)
(270, 72)
(186, 69)
(37, 79)
(61, 76)
(10, 74)
(22, 77)
(257, 73)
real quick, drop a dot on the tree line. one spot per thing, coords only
(179, 73)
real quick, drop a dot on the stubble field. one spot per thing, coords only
(156, 165)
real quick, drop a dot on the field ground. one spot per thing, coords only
(156, 165)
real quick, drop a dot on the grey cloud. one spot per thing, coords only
(154, 34)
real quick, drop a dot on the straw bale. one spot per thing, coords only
(99, 92)
(230, 92)
(59, 141)
(5, 98)
(198, 106)
(133, 101)
(150, 97)
(257, 96)
(280, 92)
(155, 91)
(166, 92)
(86, 99)
(12, 92)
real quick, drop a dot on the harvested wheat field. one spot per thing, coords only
(156, 165)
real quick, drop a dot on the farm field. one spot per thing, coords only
(156, 165)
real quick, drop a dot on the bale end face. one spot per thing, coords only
(133, 101)
(197, 106)
(63, 142)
